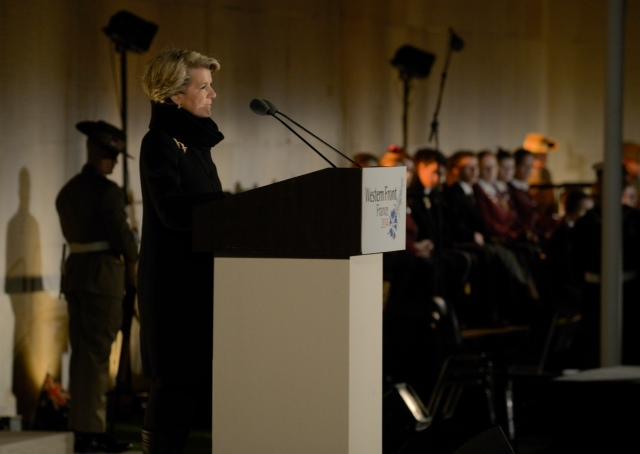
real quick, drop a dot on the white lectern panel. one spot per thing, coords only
(298, 356)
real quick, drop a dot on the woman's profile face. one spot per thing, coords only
(198, 97)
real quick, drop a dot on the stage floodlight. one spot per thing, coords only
(413, 62)
(130, 32)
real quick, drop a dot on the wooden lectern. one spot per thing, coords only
(298, 310)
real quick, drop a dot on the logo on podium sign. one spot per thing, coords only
(384, 194)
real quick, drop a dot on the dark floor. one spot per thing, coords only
(199, 441)
(550, 417)
(128, 426)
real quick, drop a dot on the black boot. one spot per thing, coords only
(163, 442)
(98, 442)
(147, 442)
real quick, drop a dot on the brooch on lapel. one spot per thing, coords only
(180, 145)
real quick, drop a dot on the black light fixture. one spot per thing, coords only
(411, 63)
(130, 33)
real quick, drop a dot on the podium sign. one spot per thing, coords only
(384, 194)
(331, 213)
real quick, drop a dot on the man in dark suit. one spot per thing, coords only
(469, 235)
(428, 209)
(102, 245)
(524, 204)
(467, 226)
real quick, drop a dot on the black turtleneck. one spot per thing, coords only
(184, 126)
(176, 167)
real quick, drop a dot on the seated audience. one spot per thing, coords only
(587, 256)
(396, 156)
(428, 209)
(563, 275)
(500, 219)
(540, 147)
(465, 219)
(513, 288)
(524, 204)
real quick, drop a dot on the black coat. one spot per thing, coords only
(464, 216)
(175, 284)
(429, 214)
(588, 240)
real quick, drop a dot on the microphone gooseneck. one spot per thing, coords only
(306, 142)
(264, 105)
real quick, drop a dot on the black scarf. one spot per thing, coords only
(184, 126)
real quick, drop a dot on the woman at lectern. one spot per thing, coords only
(175, 284)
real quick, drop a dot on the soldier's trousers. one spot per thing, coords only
(94, 321)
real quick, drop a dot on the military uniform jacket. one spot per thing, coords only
(91, 209)
(175, 284)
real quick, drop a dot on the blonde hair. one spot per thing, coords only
(168, 73)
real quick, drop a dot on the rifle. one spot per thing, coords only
(62, 260)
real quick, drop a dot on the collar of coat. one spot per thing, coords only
(184, 126)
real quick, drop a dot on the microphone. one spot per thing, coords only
(266, 107)
(455, 42)
(262, 107)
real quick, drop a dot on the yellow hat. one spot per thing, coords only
(537, 143)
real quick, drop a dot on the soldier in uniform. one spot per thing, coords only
(102, 246)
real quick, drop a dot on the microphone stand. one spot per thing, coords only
(434, 123)
(302, 138)
(315, 136)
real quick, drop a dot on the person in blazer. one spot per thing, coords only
(94, 223)
(175, 284)
(428, 208)
(465, 219)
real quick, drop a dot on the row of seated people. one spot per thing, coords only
(477, 237)
(470, 232)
